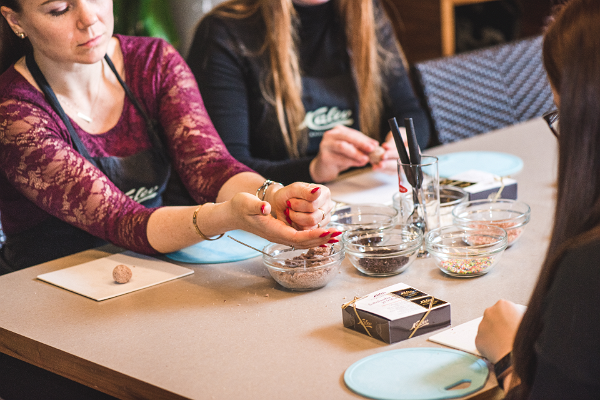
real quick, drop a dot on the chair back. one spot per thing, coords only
(483, 90)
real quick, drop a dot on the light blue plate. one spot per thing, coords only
(222, 250)
(416, 374)
(501, 164)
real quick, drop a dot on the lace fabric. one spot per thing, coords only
(43, 175)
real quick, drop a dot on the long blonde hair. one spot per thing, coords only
(282, 86)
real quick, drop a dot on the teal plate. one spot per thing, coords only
(501, 164)
(222, 250)
(417, 374)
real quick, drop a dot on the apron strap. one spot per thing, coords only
(53, 101)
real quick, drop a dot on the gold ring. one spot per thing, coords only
(322, 219)
(319, 224)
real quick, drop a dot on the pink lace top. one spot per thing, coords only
(42, 174)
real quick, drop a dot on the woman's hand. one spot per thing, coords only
(253, 215)
(389, 160)
(340, 149)
(303, 206)
(497, 330)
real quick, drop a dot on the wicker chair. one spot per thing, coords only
(483, 90)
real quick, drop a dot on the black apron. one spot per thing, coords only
(143, 177)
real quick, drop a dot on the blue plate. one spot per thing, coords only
(501, 164)
(222, 250)
(416, 374)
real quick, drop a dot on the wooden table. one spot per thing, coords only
(230, 332)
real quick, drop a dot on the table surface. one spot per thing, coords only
(229, 331)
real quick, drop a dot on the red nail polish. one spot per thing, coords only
(288, 220)
(402, 189)
(262, 209)
(334, 234)
(315, 190)
(287, 212)
(323, 245)
(288, 204)
(333, 241)
(324, 234)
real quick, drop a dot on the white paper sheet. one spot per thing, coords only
(94, 279)
(462, 337)
(369, 187)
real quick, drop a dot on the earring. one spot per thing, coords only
(21, 35)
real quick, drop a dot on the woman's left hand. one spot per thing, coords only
(498, 329)
(389, 160)
(303, 206)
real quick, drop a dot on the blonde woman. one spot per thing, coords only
(302, 89)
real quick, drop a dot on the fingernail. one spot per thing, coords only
(323, 245)
(262, 208)
(288, 204)
(287, 212)
(315, 190)
(324, 234)
(333, 241)
(334, 234)
(289, 221)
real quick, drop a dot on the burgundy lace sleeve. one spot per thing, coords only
(42, 166)
(198, 153)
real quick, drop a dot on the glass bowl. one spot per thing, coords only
(383, 252)
(352, 217)
(464, 251)
(450, 197)
(511, 215)
(305, 269)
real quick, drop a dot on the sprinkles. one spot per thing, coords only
(469, 266)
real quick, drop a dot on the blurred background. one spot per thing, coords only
(426, 29)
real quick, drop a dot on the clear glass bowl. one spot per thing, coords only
(511, 215)
(464, 251)
(300, 269)
(383, 252)
(352, 217)
(450, 197)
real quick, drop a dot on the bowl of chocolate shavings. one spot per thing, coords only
(383, 252)
(303, 269)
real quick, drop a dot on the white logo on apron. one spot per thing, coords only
(142, 194)
(325, 118)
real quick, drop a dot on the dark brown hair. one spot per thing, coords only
(11, 47)
(572, 59)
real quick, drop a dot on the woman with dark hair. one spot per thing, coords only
(303, 89)
(555, 349)
(91, 128)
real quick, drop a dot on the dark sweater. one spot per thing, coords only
(568, 349)
(224, 59)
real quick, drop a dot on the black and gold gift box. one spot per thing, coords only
(396, 313)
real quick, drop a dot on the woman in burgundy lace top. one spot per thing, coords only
(99, 172)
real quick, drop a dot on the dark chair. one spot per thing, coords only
(483, 90)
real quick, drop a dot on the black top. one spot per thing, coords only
(224, 59)
(568, 349)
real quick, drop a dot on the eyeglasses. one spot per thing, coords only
(551, 119)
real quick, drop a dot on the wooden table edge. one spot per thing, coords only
(65, 364)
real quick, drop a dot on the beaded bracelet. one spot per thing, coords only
(263, 188)
(202, 235)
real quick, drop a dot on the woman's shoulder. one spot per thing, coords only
(142, 48)
(16, 91)
(247, 30)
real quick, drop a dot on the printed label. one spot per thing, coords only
(325, 118)
(142, 194)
